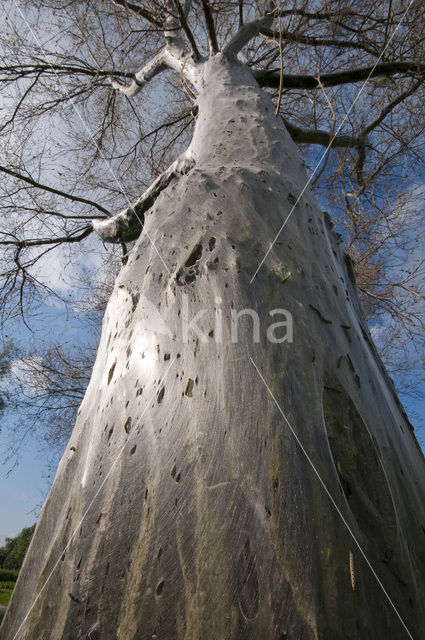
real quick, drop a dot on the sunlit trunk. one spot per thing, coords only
(191, 510)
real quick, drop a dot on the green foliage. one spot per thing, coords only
(13, 553)
(8, 575)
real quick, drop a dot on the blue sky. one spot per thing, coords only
(24, 486)
(22, 491)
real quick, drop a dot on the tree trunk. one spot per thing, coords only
(211, 522)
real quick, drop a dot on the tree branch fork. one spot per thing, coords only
(181, 54)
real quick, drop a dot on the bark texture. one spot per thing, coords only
(212, 524)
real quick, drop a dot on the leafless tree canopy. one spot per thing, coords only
(99, 98)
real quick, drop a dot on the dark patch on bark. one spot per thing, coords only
(361, 477)
(160, 588)
(127, 425)
(195, 256)
(135, 297)
(161, 395)
(319, 313)
(189, 387)
(111, 372)
(351, 268)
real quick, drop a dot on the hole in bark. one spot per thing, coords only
(166, 356)
(133, 450)
(346, 488)
(127, 425)
(159, 554)
(161, 395)
(111, 372)
(190, 277)
(189, 387)
(211, 244)
(160, 588)
(111, 431)
(194, 256)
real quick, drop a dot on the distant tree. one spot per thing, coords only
(13, 552)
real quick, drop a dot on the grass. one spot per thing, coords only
(6, 588)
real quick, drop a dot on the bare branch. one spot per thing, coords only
(249, 31)
(76, 236)
(324, 138)
(155, 19)
(240, 12)
(15, 72)
(142, 77)
(20, 102)
(128, 224)
(393, 104)
(209, 20)
(185, 26)
(270, 78)
(293, 36)
(58, 192)
(334, 17)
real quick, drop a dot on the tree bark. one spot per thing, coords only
(211, 521)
